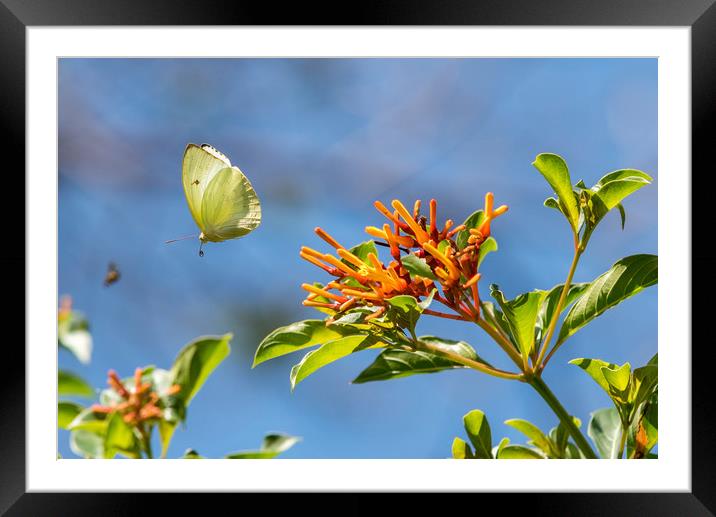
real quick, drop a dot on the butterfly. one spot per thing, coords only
(221, 199)
(112, 275)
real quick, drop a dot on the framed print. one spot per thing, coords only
(352, 257)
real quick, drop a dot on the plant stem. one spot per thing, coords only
(501, 341)
(439, 314)
(539, 366)
(470, 363)
(146, 442)
(622, 441)
(540, 387)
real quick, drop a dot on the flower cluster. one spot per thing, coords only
(444, 264)
(139, 404)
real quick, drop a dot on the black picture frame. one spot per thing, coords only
(700, 15)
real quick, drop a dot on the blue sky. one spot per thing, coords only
(320, 140)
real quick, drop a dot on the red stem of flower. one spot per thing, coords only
(443, 315)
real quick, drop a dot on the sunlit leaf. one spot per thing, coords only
(624, 279)
(328, 353)
(119, 438)
(555, 171)
(497, 449)
(66, 413)
(521, 314)
(594, 368)
(273, 445)
(472, 222)
(615, 186)
(478, 431)
(532, 432)
(488, 246)
(196, 361)
(549, 305)
(518, 452)
(461, 450)
(69, 384)
(88, 420)
(298, 336)
(192, 366)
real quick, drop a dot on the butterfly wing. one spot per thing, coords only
(230, 207)
(200, 165)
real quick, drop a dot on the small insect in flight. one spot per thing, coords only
(112, 275)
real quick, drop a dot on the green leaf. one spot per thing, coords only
(66, 413)
(626, 278)
(73, 335)
(297, 336)
(395, 363)
(549, 305)
(551, 202)
(191, 454)
(606, 195)
(555, 171)
(328, 353)
(70, 384)
(417, 266)
(497, 450)
(618, 378)
(594, 367)
(273, 445)
(572, 452)
(192, 366)
(472, 222)
(488, 246)
(87, 444)
(362, 251)
(518, 452)
(195, 363)
(461, 450)
(521, 315)
(622, 214)
(478, 431)
(279, 442)
(612, 188)
(443, 245)
(250, 455)
(605, 430)
(119, 438)
(405, 310)
(88, 420)
(532, 432)
(560, 437)
(495, 316)
(644, 383)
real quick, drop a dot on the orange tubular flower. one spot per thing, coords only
(139, 404)
(366, 281)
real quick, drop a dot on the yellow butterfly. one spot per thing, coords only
(221, 199)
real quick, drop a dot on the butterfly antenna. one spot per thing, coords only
(201, 251)
(192, 236)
